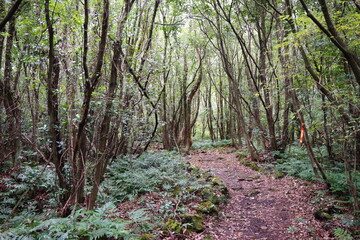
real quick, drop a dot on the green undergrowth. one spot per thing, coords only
(128, 177)
(82, 224)
(296, 163)
(33, 189)
(161, 187)
(209, 144)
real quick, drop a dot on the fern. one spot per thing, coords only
(139, 215)
(129, 177)
(83, 224)
(165, 174)
(342, 234)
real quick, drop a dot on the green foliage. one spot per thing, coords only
(129, 176)
(32, 183)
(208, 144)
(208, 208)
(83, 224)
(164, 174)
(172, 226)
(292, 229)
(194, 222)
(342, 234)
(147, 237)
(296, 163)
(337, 181)
(253, 165)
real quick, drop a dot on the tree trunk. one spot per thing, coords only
(106, 139)
(328, 139)
(335, 37)
(10, 14)
(284, 57)
(265, 85)
(78, 156)
(12, 108)
(314, 162)
(209, 116)
(166, 134)
(53, 108)
(187, 124)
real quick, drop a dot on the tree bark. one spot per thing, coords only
(261, 29)
(284, 57)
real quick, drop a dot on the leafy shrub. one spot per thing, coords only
(337, 181)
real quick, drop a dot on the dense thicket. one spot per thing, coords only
(85, 81)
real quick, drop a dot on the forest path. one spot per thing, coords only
(260, 206)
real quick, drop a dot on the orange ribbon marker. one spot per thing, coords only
(302, 131)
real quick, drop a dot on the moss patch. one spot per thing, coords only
(251, 165)
(278, 175)
(147, 237)
(194, 222)
(172, 226)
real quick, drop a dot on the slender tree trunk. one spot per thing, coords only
(264, 81)
(53, 108)
(187, 124)
(3, 150)
(106, 139)
(210, 114)
(10, 14)
(255, 109)
(241, 122)
(166, 131)
(335, 37)
(221, 119)
(2, 13)
(12, 108)
(314, 162)
(78, 156)
(328, 139)
(284, 57)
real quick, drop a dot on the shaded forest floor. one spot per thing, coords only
(261, 206)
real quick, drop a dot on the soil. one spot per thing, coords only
(260, 206)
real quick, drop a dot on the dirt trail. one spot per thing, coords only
(260, 207)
